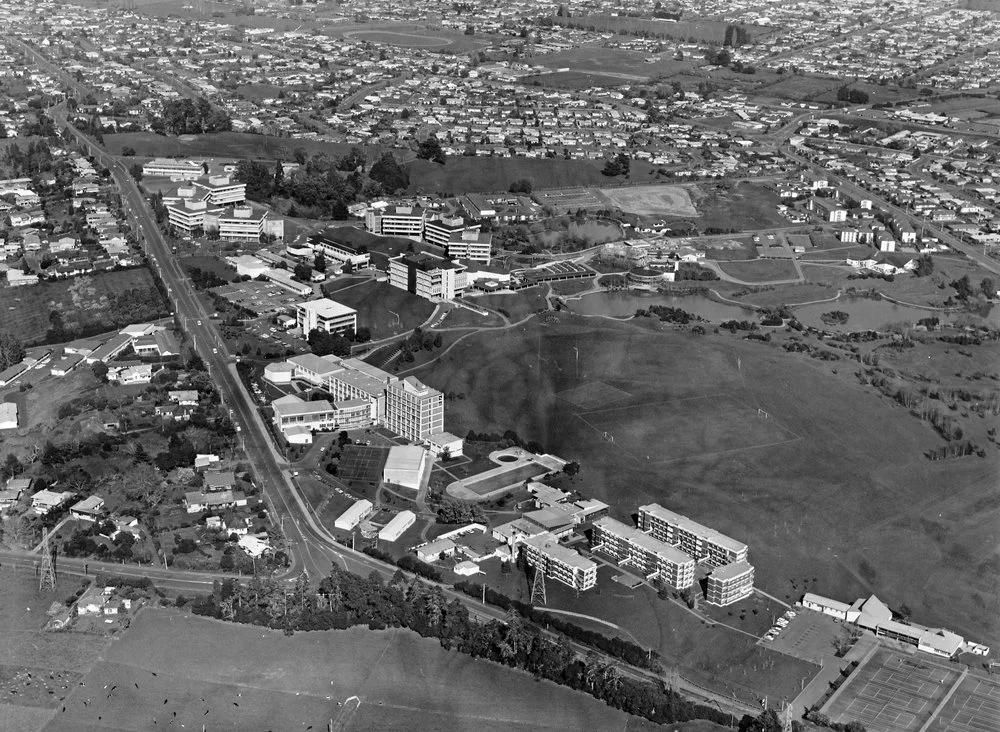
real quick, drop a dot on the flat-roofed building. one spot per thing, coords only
(326, 315)
(342, 254)
(700, 542)
(291, 411)
(8, 416)
(110, 348)
(404, 221)
(730, 583)
(395, 528)
(439, 230)
(428, 276)
(406, 466)
(547, 555)
(349, 519)
(475, 246)
(183, 169)
(413, 410)
(650, 557)
(241, 223)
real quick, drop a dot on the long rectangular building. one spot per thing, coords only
(701, 542)
(730, 583)
(651, 557)
(547, 555)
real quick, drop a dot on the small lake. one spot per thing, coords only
(866, 314)
(621, 304)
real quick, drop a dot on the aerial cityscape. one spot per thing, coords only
(614, 364)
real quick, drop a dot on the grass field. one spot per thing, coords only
(24, 311)
(496, 174)
(848, 504)
(745, 207)
(698, 426)
(378, 305)
(653, 200)
(761, 270)
(396, 38)
(578, 79)
(235, 145)
(507, 478)
(183, 670)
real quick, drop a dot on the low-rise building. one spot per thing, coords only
(397, 525)
(89, 509)
(197, 501)
(349, 519)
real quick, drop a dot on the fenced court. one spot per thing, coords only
(896, 692)
(359, 462)
(571, 199)
(974, 707)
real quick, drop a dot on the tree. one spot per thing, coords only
(521, 185)
(319, 262)
(470, 30)
(618, 165)
(302, 272)
(430, 149)
(925, 266)
(100, 370)
(11, 350)
(988, 287)
(128, 152)
(571, 468)
(389, 174)
(322, 343)
(258, 179)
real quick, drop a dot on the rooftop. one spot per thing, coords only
(732, 571)
(644, 541)
(326, 308)
(693, 527)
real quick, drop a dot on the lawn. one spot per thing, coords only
(579, 79)
(745, 207)
(185, 670)
(761, 270)
(515, 305)
(378, 305)
(495, 174)
(82, 301)
(848, 503)
(234, 145)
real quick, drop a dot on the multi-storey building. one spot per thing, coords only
(238, 223)
(291, 411)
(216, 204)
(428, 276)
(327, 315)
(342, 254)
(555, 561)
(405, 221)
(413, 410)
(356, 379)
(472, 245)
(651, 557)
(701, 542)
(186, 169)
(730, 583)
(439, 230)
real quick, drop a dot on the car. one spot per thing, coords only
(215, 350)
(199, 322)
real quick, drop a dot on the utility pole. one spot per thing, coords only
(47, 575)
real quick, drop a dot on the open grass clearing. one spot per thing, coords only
(820, 507)
(219, 145)
(744, 207)
(384, 309)
(82, 302)
(515, 305)
(761, 270)
(238, 677)
(662, 200)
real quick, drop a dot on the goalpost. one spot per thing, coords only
(762, 413)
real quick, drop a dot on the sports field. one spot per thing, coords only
(652, 200)
(395, 38)
(361, 462)
(661, 432)
(897, 691)
(173, 671)
(514, 476)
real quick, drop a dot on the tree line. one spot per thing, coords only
(344, 600)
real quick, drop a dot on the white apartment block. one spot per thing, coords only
(342, 254)
(650, 557)
(700, 542)
(404, 221)
(440, 229)
(555, 561)
(427, 276)
(472, 245)
(413, 410)
(327, 315)
(239, 224)
(730, 583)
(186, 169)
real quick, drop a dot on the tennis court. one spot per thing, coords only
(974, 707)
(360, 462)
(894, 692)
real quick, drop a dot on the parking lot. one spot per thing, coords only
(809, 636)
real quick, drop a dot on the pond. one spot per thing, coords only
(620, 304)
(867, 314)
